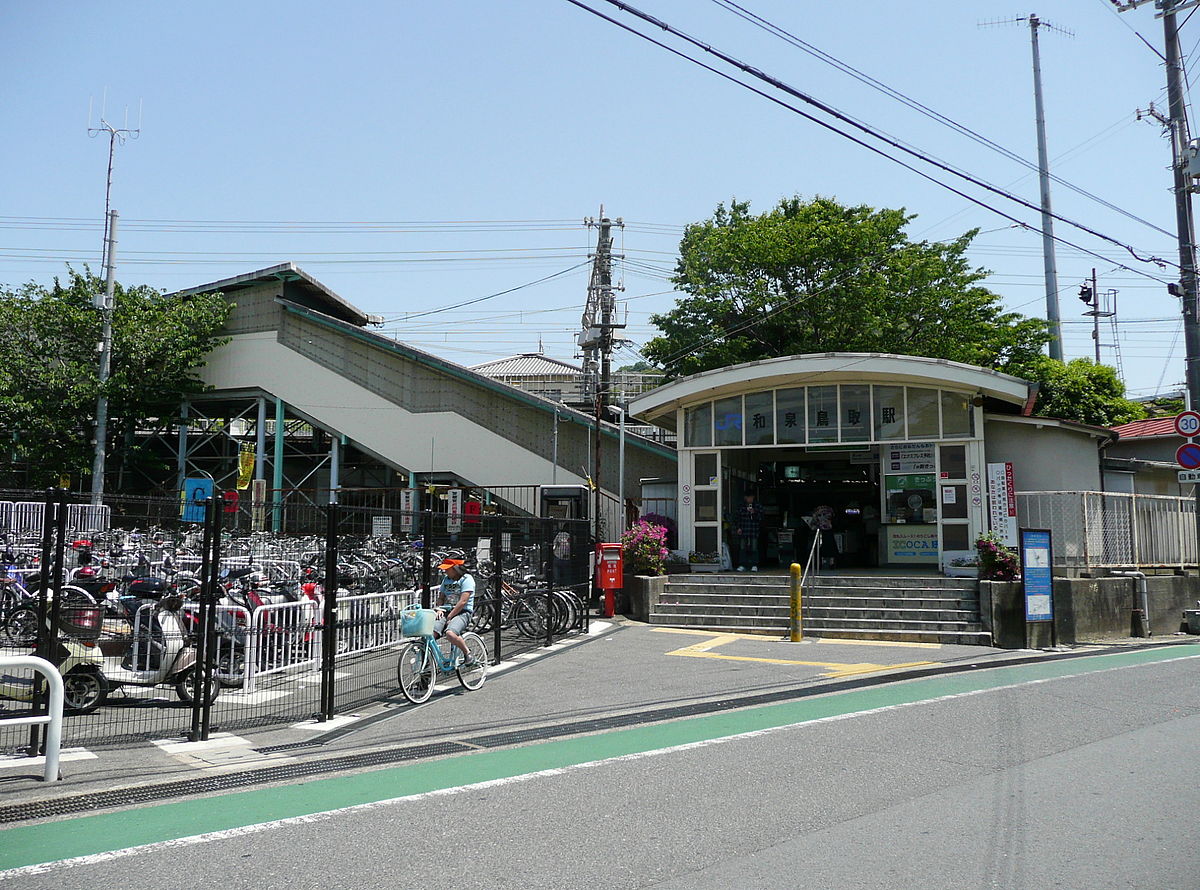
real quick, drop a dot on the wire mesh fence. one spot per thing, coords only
(168, 621)
(1109, 529)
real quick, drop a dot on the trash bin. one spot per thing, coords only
(1192, 618)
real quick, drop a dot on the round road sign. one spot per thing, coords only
(1188, 456)
(1187, 424)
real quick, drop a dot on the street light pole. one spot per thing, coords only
(105, 305)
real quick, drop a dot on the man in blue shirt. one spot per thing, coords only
(456, 602)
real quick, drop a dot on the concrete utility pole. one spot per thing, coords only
(105, 305)
(1048, 260)
(1184, 224)
(596, 338)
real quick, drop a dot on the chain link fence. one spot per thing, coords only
(1108, 529)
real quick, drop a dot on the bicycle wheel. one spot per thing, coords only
(416, 671)
(529, 615)
(472, 677)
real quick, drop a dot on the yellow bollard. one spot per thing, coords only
(796, 629)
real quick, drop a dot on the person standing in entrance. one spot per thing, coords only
(747, 523)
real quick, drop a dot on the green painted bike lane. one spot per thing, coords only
(27, 845)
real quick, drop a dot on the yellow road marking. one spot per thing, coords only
(833, 669)
(887, 644)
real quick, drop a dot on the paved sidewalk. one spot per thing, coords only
(623, 674)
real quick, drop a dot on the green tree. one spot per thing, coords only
(1080, 390)
(49, 370)
(817, 276)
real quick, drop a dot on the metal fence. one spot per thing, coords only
(164, 628)
(1109, 529)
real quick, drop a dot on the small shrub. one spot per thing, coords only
(997, 562)
(645, 548)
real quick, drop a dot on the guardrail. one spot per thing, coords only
(53, 719)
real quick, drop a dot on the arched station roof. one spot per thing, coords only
(659, 405)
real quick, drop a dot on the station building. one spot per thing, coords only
(895, 448)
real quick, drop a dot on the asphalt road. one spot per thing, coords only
(1072, 774)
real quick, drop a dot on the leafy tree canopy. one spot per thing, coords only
(1080, 390)
(49, 376)
(817, 276)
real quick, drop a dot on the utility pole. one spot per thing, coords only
(1049, 263)
(1184, 224)
(105, 305)
(597, 341)
(1048, 260)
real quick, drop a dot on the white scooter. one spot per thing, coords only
(155, 648)
(77, 656)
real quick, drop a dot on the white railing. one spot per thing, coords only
(1097, 528)
(283, 636)
(53, 717)
(371, 621)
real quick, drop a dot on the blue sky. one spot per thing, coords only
(416, 155)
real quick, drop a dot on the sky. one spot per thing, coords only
(415, 156)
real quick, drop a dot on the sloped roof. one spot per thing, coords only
(528, 364)
(308, 291)
(1154, 427)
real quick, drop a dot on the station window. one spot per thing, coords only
(889, 412)
(855, 412)
(789, 416)
(760, 418)
(697, 423)
(822, 414)
(923, 413)
(957, 416)
(727, 421)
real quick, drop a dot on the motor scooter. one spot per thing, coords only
(77, 657)
(155, 648)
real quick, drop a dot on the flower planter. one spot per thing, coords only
(705, 566)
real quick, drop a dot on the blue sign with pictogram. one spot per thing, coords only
(1188, 456)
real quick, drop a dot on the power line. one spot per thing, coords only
(862, 127)
(497, 294)
(791, 39)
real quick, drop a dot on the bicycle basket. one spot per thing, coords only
(417, 622)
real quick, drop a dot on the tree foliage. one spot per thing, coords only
(49, 376)
(1080, 390)
(817, 276)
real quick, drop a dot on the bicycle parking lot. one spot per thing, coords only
(166, 628)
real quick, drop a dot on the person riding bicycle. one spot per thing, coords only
(456, 601)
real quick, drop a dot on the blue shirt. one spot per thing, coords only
(450, 591)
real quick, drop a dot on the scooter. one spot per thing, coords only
(157, 650)
(77, 657)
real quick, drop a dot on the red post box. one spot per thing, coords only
(610, 566)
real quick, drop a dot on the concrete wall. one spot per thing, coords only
(1044, 459)
(1087, 609)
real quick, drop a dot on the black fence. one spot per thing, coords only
(166, 622)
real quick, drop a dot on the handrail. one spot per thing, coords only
(55, 715)
(812, 554)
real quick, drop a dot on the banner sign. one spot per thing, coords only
(408, 506)
(1036, 562)
(245, 466)
(1002, 502)
(910, 457)
(454, 510)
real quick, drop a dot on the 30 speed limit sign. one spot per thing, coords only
(1187, 424)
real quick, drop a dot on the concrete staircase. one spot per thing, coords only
(906, 609)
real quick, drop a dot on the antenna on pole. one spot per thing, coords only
(115, 134)
(1048, 258)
